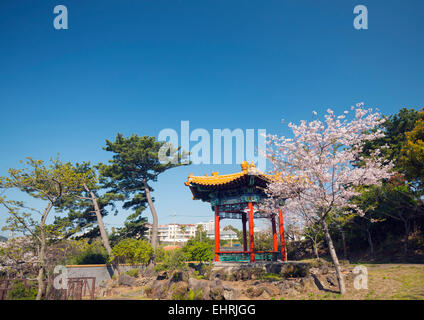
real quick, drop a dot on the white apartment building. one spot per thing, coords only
(180, 233)
(176, 232)
(209, 227)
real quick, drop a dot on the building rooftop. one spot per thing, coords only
(216, 179)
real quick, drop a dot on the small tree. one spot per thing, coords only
(49, 183)
(315, 169)
(199, 250)
(132, 251)
(90, 253)
(175, 260)
(396, 201)
(412, 159)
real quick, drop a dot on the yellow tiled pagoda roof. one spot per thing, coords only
(216, 179)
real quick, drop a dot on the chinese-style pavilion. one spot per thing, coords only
(237, 196)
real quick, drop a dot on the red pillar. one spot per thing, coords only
(282, 241)
(274, 236)
(243, 221)
(251, 235)
(216, 232)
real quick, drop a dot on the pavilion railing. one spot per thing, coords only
(244, 256)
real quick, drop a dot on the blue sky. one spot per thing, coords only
(142, 66)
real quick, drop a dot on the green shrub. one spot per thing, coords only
(199, 250)
(271, 277)
(196, 294)
(18, 292)
(132, 251)
(91, 255)
(198, 276)
(133, 273)
(175, 260)
(148, 291)
(160, 255)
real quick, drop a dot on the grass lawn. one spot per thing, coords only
(385, 282)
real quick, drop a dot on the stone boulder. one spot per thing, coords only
(178, 290)
(149, 272)
(230, 293)
(254, 292)
(308, 284)
(200, 287)
(126, 280)
(160, 289)
(273, 267)
(295, 270)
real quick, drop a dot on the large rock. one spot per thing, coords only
(145, 281)
(216, 290)
(219, 274)
(126, 280)
(308, 284)
(295, 270)
(230, 293)
(274, 267)
(254, 292)
(160, 289)
(178, 290)
(149, 272)
(271, 290)
(244, 273)
(286, 286)
(217, 293)
(177, 276)
(200, 287)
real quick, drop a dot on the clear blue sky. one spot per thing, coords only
(140, 66)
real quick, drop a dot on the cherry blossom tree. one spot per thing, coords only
(319, 169)
(17, 256)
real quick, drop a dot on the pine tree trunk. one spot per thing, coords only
(154, 215)
(105, 238)
(333, 254)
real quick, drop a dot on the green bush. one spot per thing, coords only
(199, 250)
(160, 255)
(132, 251)
(271, 277)
(175, 260)
(91, 255)
(133, 273)
(196, 294)
(18, 292)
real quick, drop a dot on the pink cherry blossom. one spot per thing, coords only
(316, 168)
